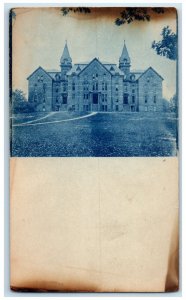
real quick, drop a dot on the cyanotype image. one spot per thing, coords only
(94, 82)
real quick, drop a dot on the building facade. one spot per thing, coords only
(96, 86)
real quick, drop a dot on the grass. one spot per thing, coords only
(104, 135)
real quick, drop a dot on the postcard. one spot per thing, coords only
(94, 146)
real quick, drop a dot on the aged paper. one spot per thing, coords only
(94, 149)
(99, 224)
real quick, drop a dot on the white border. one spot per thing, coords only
(13, 3)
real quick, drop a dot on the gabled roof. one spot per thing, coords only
(137, 73)
(53, 74)
(95, 59)
(113, 69)
(75, 69)
(37, 70)
(150, 68)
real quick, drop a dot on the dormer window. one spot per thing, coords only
(132, 77)
(78, 68)
(57, 76)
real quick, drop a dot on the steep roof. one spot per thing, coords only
(150, 68)
(137, 73)
(37, 70)
(124, 54)
(65, 55)
(53, 74)
(110, 67)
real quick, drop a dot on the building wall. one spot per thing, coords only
(78, 92)
(150, 92)
(60, 95)
(91, 86)
(40, 90)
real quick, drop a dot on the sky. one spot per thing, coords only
(39, 36)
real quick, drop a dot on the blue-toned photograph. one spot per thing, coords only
(93, 82)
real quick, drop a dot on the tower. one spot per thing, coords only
(65, 62)
(124, 61)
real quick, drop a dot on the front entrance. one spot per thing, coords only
(95, 98)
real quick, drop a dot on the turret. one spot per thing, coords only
(65, 62)
(124, 61)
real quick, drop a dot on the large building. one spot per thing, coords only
(96, 86)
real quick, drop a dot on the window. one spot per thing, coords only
(44, 87)
(64, 99)
(125, 99)
(57, 99)
(146, 108)
(85, 107)
(116, 107)
(133, 99)
(133, 91)
(154, 98)
(41, 77)
(73, 86)
(85, 86)
(125, 87)
(95, 86)
(146, 98)
(116, 87)
(57, 90)
(35, 98)
(73, 96)
(85, 96)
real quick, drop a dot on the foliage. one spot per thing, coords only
(19, 103)
(174, 104)
(66, 10)
(168, 45)
(127, 15)
(131, 14)
(166, 105)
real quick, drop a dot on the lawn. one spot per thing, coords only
(101, 134)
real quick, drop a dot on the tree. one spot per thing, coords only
(174, 104)
(19, 103)
(127, 15)
(168, 45)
